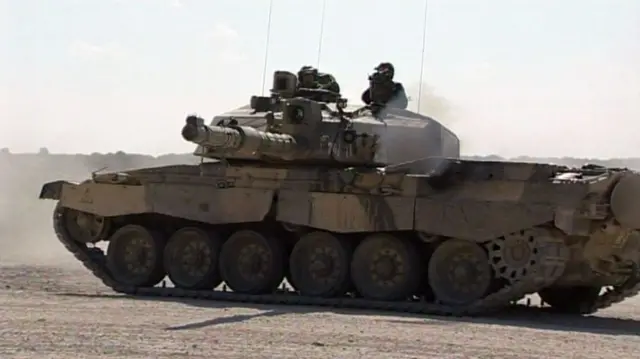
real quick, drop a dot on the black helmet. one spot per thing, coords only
(386, 68)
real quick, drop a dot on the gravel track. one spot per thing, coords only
(62, 312)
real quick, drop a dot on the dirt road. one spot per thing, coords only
(62, 312)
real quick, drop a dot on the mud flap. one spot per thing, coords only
(53, 190)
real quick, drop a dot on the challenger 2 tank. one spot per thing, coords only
(359, 209)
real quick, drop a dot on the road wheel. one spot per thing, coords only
(134, 256)
(459, 272)
(252, 263)
(319, 265)
(191, 259)
(386, 268)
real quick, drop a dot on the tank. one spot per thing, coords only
(354, 209)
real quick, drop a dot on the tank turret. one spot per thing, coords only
(295, 131)
(395, 136)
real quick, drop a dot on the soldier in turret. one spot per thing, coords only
(310, 78)
(383, 91)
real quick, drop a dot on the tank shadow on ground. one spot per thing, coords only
(523, 317)
(225, 320)
(541, 319)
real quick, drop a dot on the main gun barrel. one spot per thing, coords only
(238, 141)
(211, 136)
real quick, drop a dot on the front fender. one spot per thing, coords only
(53, 190)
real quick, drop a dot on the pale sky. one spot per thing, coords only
(536, 77)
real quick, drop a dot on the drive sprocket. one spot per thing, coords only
(514, 255)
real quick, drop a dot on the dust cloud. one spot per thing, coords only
(24, 237)
(26, 232)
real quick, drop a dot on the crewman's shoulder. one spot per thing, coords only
(325, 75)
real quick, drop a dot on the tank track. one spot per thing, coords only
(94, 259)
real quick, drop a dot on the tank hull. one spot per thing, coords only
(468, 238)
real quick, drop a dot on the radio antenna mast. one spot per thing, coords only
(324, 6)
(266, 48)
(424, 48)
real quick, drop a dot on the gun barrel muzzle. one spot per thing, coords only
(241, 140)
(211, 136)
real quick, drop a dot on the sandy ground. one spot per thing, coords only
(62, 312)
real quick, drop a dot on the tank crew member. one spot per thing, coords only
(309, 77)
(383, 91)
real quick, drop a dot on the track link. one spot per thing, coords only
(613, 296)
(94, 260)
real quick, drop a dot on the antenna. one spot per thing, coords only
(266, 48)
(424, 48)
(324, 7)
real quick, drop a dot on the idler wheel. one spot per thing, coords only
(319, 265)
(191, 259)
(251, 263)
(570, 300)
(459, 272)
(386, 268)
(83, 227)
(134, 256)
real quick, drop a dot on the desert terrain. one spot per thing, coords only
(52, 308)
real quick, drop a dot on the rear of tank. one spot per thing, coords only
(608, 221)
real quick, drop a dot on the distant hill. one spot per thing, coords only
(48, 165)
